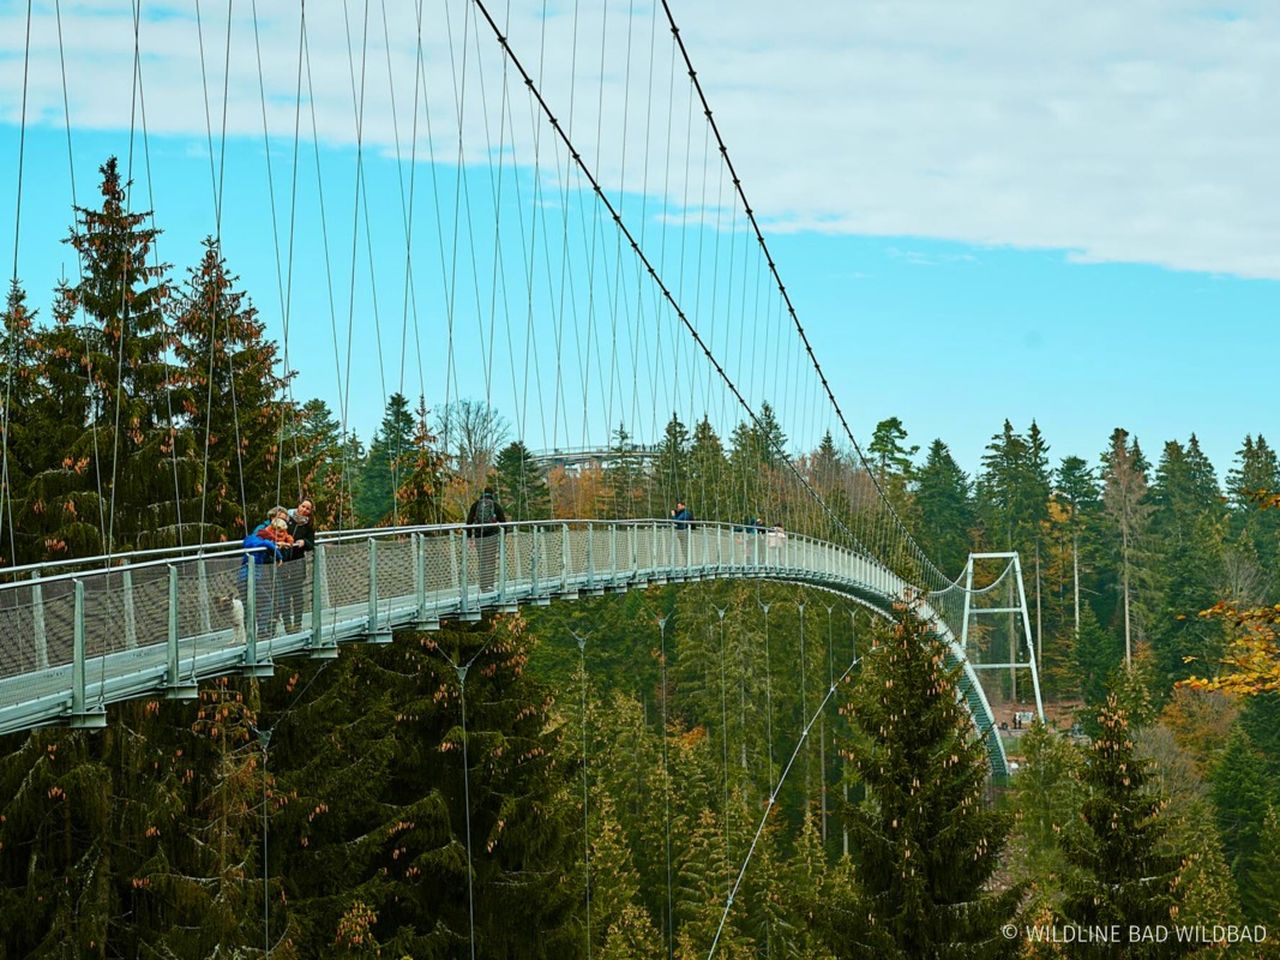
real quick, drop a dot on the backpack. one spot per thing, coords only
(486, 511)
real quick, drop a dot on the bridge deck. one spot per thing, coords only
(71, 643)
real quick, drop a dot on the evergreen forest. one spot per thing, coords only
(734, 769)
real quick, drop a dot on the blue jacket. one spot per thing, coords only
(683, 519)
(271, 553)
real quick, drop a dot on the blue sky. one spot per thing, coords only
(1063, 224)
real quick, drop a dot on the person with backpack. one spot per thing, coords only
(483, 521)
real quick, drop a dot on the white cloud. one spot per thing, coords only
(1142, 131)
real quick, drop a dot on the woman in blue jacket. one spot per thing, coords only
(266, 555)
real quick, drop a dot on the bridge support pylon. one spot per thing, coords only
(1017, 610)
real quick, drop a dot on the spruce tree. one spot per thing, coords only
(671, 469)
(521, 486)
(123, 293)
(424, 476)
(1241, 792)
(230, 392)
(1119, 875)
(313, 459)
(1098, 654)
(624, 476)
(925, 846)
(390, 450)
(1127, 511)
(945, 509)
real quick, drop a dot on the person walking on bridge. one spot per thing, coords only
(483, 519)
(682, 517)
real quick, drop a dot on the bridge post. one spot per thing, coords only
(565, 557)
(37, 622)
(130, 617)
(533, 565)
(317, 649)
(419, 577)
(968, 592)
(175, 689)
(613, 554)
(591, 557)
(374, 632)
(82, 718)
(202, 593)
(462, 567)
(502, 566)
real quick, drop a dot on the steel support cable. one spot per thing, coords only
(357, 99)
(769, 805)
(724, 151)
(666, 787)
(586, 823)
(410, 293)
(343, 480)
(7, 505)
(519, 385)
(485, 345)
(666, 292)
(531, 257)
(88, 355)
(168, 367)
(724, 741)
(498, 275)
(288, 404)
(215, 181)
(124, 286)
(660, 315)
(459, 97)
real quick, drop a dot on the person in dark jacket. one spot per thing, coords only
(266, 556)
(302, 527)
(482, 520)
(682, 517)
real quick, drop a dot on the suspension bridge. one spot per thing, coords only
(534, 212)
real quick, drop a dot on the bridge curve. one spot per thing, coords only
(74, 641)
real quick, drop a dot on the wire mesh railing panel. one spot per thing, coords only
(59, 613)
(347, 573)
(517, 557)
(23, 649)
(440, 563)
(395, 569)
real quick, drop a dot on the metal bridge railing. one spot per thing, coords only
(73, 641)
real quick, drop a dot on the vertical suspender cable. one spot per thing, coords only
(17, 232)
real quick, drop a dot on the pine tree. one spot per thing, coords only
(671, 468)
(1046, 799)
(1241, 793)
(708, 473)
(376, 501)
(945, 509)
(125, 443)
(925, 773)
(1119, 875)
(1077, 490)
(1125, 500)
(379, 815)
(1262, 883)
(23, 435)
(423, 476)
(1255, 472)
(313, 452)
(521, 487)
(624, 476)
(230, 393)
